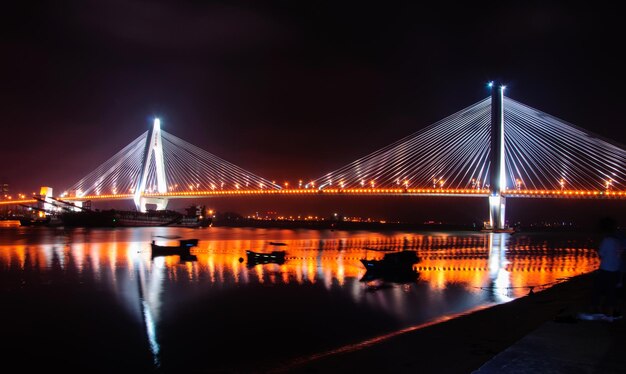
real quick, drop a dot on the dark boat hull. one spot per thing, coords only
(147, 219)
(192, 222)
(89, 219)
(162, 250)
(256, 258)
(116, 218)
(183, 249)
(395, 262)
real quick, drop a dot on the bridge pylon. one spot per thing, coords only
(497, 172)
(154, 146)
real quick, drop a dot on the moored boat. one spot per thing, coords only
(119, 218)
(255, 258)
(147, 219)
(89, 218)
(192, 222)
(127, 218)
(392, 262)
(183, 248)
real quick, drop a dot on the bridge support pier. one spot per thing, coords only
(161, 204)
(497, 205)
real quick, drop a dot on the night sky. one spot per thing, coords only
(286, 89)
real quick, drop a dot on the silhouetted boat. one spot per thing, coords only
(147, 219)
(183, 248)
(392, 262)
(256, 258)
(130, 218)
(125, 218)
(89, 218)
(395, 267)
(191, 222)
(196, 216)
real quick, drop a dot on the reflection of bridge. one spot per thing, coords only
(496, 148)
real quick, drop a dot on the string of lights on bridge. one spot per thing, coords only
(22, 199)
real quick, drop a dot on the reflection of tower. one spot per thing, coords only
(149, 303)
(499, 281)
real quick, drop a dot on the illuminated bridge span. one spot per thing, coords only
(542, 155)
(496, 148)
(157, 166)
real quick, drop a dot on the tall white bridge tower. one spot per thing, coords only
(497, 172)
(154, 146)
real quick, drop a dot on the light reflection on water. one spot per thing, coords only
(322, 272)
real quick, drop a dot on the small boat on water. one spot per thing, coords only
(126, 218)
(256, 258)
(394, 267)
(183, 248)
(392, 262)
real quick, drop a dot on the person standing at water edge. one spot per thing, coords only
(621, 236)
(608, 275)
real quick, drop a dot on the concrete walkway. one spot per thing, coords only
(566, 345)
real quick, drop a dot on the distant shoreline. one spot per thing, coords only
(375, 226)
(359, 226)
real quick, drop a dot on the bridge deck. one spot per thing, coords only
(553, 194)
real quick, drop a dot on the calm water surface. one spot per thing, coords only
(97, 300)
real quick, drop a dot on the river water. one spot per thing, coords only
(96, 300)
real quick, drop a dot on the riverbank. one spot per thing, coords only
(462, 344)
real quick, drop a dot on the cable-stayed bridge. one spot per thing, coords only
(497, 148)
